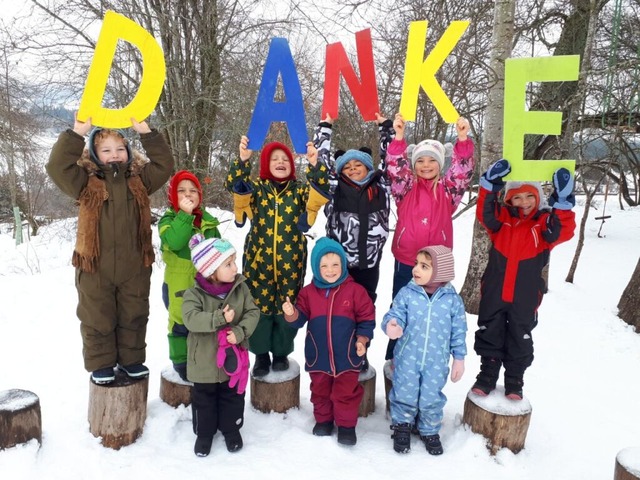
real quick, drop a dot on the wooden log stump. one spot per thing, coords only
(277, 391)
(503, 422)
(174, 390)
(627, 464)
(20, 418)
(387, 370)
(368, 381)
(117, 411)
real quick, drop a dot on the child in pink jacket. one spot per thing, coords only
(426, 197)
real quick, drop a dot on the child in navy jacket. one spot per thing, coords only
(341, 319)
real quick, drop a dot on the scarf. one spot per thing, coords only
(86, 254)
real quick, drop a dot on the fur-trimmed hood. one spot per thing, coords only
(135, 165)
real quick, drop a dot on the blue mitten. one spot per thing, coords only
(562, 196)
(492, 179)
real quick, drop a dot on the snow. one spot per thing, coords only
(15, 400)
(583, 387)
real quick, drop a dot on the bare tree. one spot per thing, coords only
(501, 44)
(629, 304)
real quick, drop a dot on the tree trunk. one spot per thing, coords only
(627, 464)
(368, 381)
(504, 423)
(629, 304)
(277, 391)
(20, 418)
(117, 411)
(491, 149)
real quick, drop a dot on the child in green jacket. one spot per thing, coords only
(184, 218)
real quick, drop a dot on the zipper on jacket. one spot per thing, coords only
(428, 329)
(276, 197)
(332, 363)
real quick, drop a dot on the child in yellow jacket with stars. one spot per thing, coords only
(280, 209)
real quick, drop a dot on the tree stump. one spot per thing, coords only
(368, 381)
(117, 411)
(627, 464)
(387, 370)
(174, 390)
(20, 418)
(277, 391)
(503, 422)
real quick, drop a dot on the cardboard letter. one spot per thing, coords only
(518, 121)
(365, 92)
(117, 27)
(419, 73)
(291, 111)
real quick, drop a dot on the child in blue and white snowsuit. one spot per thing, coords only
(428, 319)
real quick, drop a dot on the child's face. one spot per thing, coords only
(422, 270)
(526, 201)
(279, 165)
(112, 150)
(188, 190)
(427, 168)
(330, 267)
(226, 273)
(355, 170)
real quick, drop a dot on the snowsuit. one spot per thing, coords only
(424, 216)
(512, 286)
(357, 215)
(336, 317)
(216, 405)
(434, 329)
(113, 299)
(175, 231)
(275, 250)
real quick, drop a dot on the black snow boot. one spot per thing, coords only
(401, 437)
(262, 365)
(488, 376)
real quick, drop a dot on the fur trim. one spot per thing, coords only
(86, 254)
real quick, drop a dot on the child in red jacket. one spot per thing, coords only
(523, 231)
(341, 320)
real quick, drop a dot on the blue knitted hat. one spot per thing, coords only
(323, 246)
(92, 145)
(358, 155)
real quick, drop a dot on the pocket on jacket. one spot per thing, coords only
(310, 350)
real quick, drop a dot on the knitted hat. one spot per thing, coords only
(323, 246)
(92, 143)
(442, 266)
(513, 188)
(208, 255)
(358, 155)
(429, 148)
(265, 158)
(173, 187)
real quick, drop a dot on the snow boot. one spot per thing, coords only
(280, 363)
(202, 446)
(261, 367)
(432, 442)
(233, 441)
(401, 437)
(513, 388)
(323, 429)
(347, 435)
(488, 376)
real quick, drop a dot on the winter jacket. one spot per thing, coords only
(203, 317)
(519, 251)
(433, 328)
(118, 224)
(424, 216)
(357, 215)
(336, 317)
(176, 229)
(275, 250)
